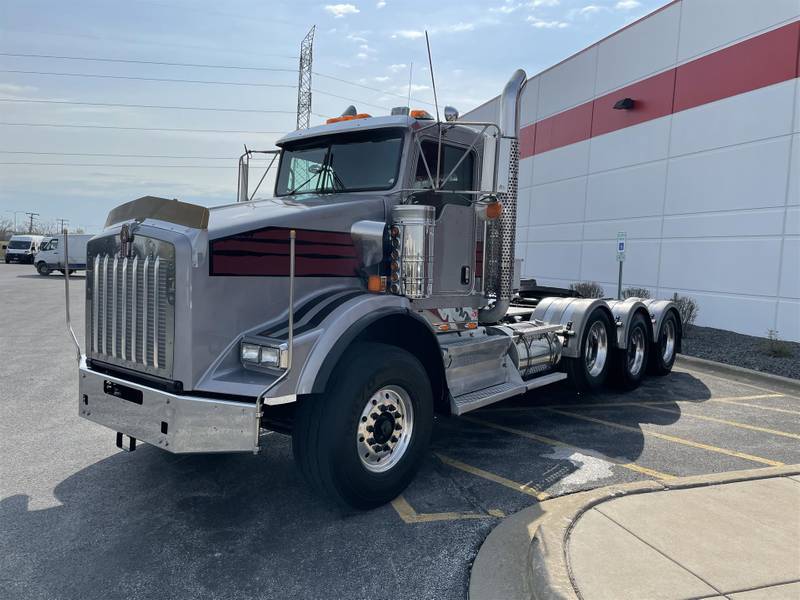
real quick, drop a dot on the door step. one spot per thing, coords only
(477, 399)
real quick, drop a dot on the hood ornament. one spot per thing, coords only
(126, 241)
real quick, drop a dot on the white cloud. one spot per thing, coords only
(587, 11)
(361, 55)
(542, 24)
(398, 67)
(627, 4)
(356, 38)
(382, 78)
(458, 27)
(340, 10)
(380, 4)
(409, 34)
(13, 88)
(538, 3)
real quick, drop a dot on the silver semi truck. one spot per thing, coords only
(375, 288)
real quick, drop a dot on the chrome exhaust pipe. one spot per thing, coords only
(501, 234)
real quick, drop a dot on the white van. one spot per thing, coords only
(51, 254)
(22, 248)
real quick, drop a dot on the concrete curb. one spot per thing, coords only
(532, 544)
(682, 360)
(549, 575)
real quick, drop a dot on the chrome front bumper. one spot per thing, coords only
(178, 424)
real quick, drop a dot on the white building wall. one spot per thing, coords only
(709, 196)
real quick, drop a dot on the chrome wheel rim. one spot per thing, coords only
(668, 344)
(596, 349)
(385, 428)
(636, 348)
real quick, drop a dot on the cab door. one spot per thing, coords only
(455, 233)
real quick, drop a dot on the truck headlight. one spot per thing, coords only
(251, 353)
(260, 355)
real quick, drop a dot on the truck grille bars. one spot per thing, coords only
(131, 305)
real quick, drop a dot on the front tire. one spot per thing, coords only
(43, 269)
(630, 363)
(588, 371)
(362, 442)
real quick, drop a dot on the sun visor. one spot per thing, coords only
(150, 207)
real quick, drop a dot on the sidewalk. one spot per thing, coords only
(733, 535)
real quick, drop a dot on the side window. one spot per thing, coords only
(462, 178)
(52, 245)
(305, 170)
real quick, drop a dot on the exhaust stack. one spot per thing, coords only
(501, 234)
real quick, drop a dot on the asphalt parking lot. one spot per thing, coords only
(80, 519)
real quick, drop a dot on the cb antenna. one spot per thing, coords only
(410, 74)
(433, 81)
(438, 122)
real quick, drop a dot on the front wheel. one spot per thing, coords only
(43, 269)
(362, 442)
(588, 371)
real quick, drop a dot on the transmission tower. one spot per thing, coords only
(304, 80)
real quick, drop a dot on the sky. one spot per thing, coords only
(68, 149)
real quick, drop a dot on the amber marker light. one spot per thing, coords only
(494, 210)
(376, 283)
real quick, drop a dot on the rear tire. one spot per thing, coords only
(665, 347)
(588, 371)
(630, 363)
(362, 442)
(43, 269)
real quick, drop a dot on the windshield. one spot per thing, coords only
(353, 162)
(49, 245)
(19, 245)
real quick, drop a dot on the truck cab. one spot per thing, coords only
(375, 287)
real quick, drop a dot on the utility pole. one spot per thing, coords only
(32, 215)
(304, 80)
(61, 223)
(16, 212)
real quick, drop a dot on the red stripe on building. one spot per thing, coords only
(564, 128)
(766, 59)
(652, 97)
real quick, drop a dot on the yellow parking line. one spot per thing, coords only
(669, 438)
(761, 406)
(716, 420)
(409, 515)
(757, 387)
(552, 442)
(514, 485)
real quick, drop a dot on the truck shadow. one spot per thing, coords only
(55, 276)
(542, 438)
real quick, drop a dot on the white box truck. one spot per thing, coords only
(51, 254)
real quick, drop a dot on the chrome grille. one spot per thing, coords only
(130, 301)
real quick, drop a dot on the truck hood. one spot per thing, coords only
(328, 212)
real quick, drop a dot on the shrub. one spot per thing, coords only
(776, 347)
(588, 289)
(634, 292)
(688, 310)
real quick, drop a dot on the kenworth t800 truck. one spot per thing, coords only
(375, 287)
